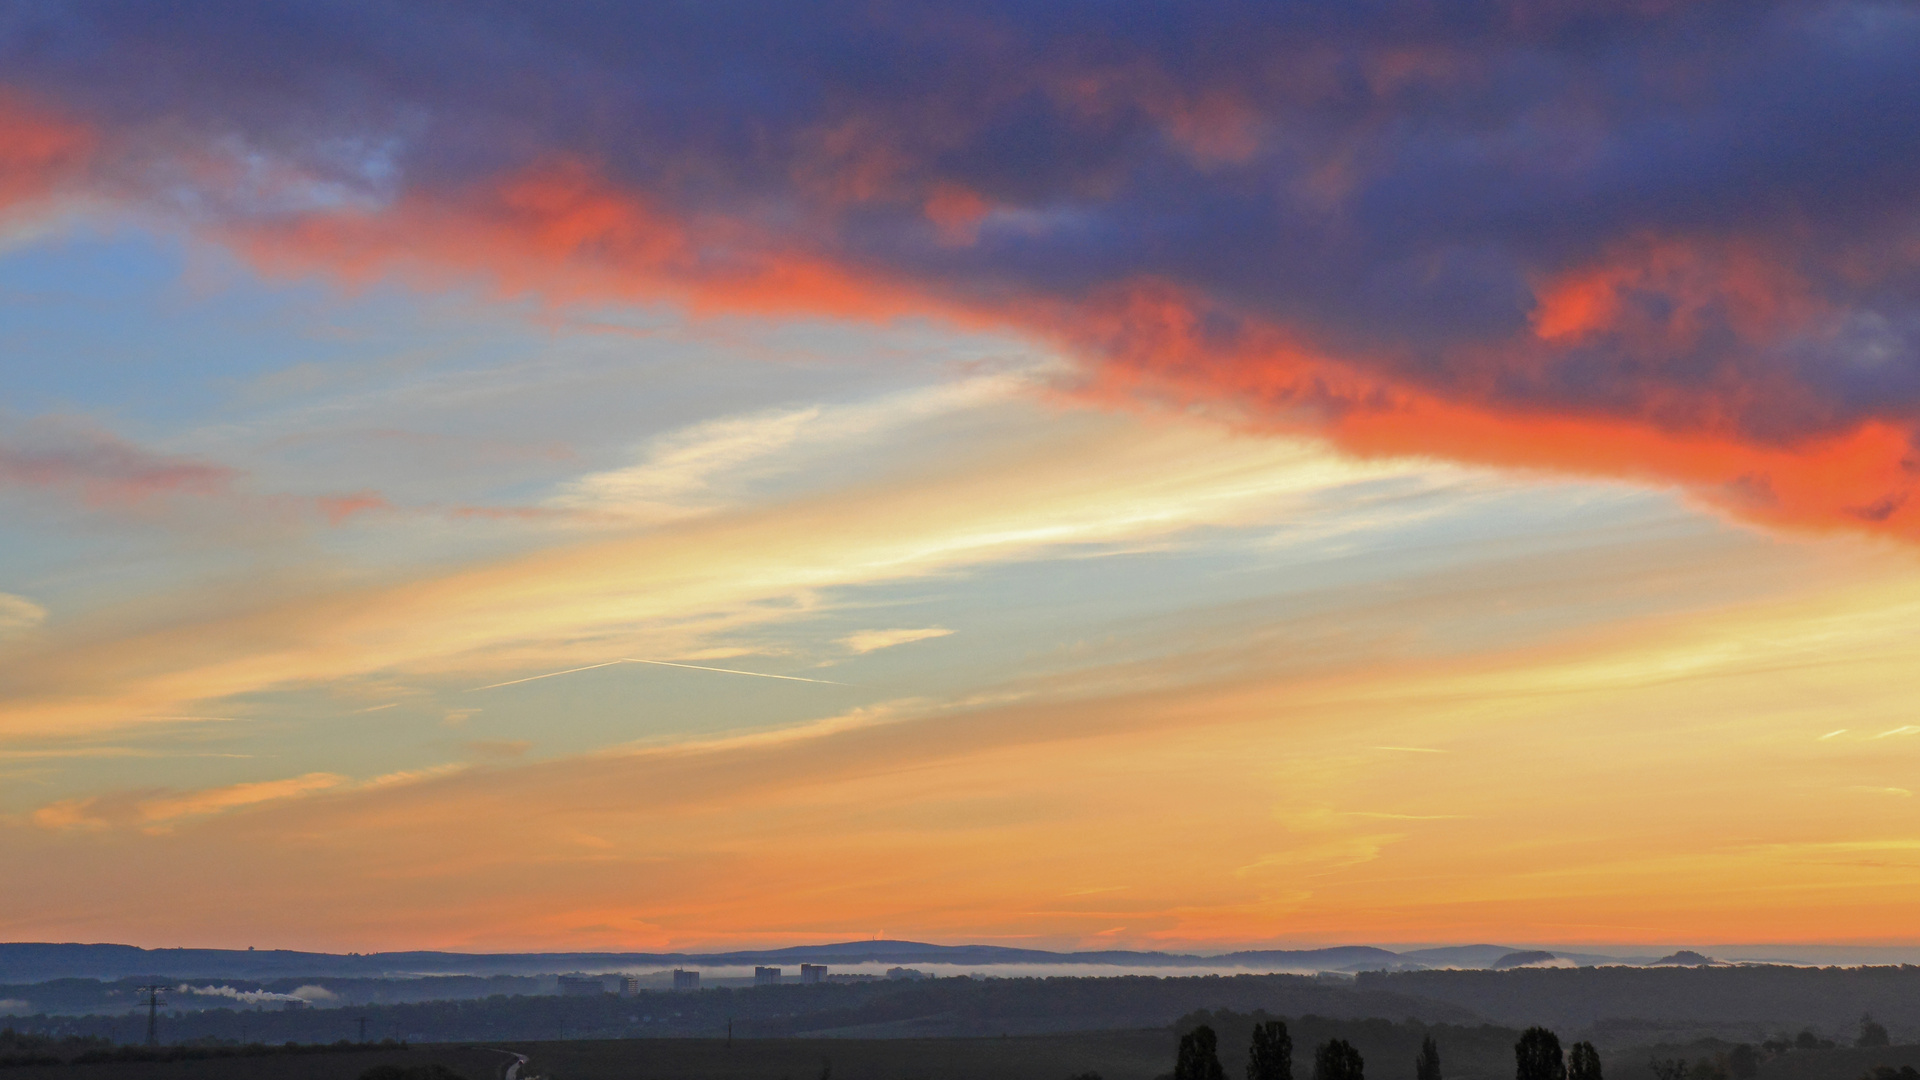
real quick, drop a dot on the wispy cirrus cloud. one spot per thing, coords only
(19, 614)
(867, 641)
(103, 469)
(95, 468)
(658, 592)
(160, 810)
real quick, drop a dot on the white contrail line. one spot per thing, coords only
(548, 675)
(733, 671)
(657, 663)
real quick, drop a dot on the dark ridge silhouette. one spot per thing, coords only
(1522, 959)
(39, 961)
(1687, 958)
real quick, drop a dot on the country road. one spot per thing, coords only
(513, 1070)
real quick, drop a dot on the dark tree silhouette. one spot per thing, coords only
(1807, 1040)
(1199, 1057)
(1427, 1065)
(432, 1071)
(1583, 1062)
(1743, 1062)
(1537, 1056)
(1338, 1060)
(1271, 1055)
(1871, 1032)
(1668, 1068)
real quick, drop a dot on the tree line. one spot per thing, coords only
(1537, 1056)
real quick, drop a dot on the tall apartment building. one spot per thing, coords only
(629, 986)
(686, 980)
(766, 976)
(813, 973)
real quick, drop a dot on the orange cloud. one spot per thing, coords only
(1156, 343)
(161, 810)
(563, 232)
(1752, 291)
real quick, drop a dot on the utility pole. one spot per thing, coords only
(153, 993)
(729, 1032)
(363, 1029)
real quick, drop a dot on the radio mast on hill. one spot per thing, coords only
(153, 993)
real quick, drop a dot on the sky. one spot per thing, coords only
(1121, 475)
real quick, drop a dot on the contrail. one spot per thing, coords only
(548, 675)
(657, 663)
(734, 671)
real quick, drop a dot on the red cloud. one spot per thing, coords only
(567, 233)
(105, 470)
(562, 231)
(38, 151)
(1669, 243)
(1862, 478)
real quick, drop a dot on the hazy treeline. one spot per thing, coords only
(1677, 1006)
(958, 1006)
(95, 995)
(1764, 1000)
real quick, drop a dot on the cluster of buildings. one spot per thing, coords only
(772, 976)
(684, 980)
(624, 985)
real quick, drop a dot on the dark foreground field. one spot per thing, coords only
(470, 1062)
(1114, 1055)
(1467, 1054)
(1388, 1049)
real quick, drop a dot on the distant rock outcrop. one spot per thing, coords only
(1523, 959)
(1687, 958)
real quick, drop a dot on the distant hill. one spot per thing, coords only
(26, 962)
(35, 962)
(1687, 958)
(1522, 959)
(1465, 956)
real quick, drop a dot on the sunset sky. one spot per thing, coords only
(1199, 476)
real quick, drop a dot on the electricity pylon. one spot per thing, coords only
(153, 993)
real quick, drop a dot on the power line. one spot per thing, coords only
(153, 993)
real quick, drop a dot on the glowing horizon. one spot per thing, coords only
(1011, 479)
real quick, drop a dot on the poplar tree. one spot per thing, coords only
(1427, 1065)
(1271, 1055)
(1338, 1060)
(1583, 1062)
(1199, 1058)
(1537, 1056)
